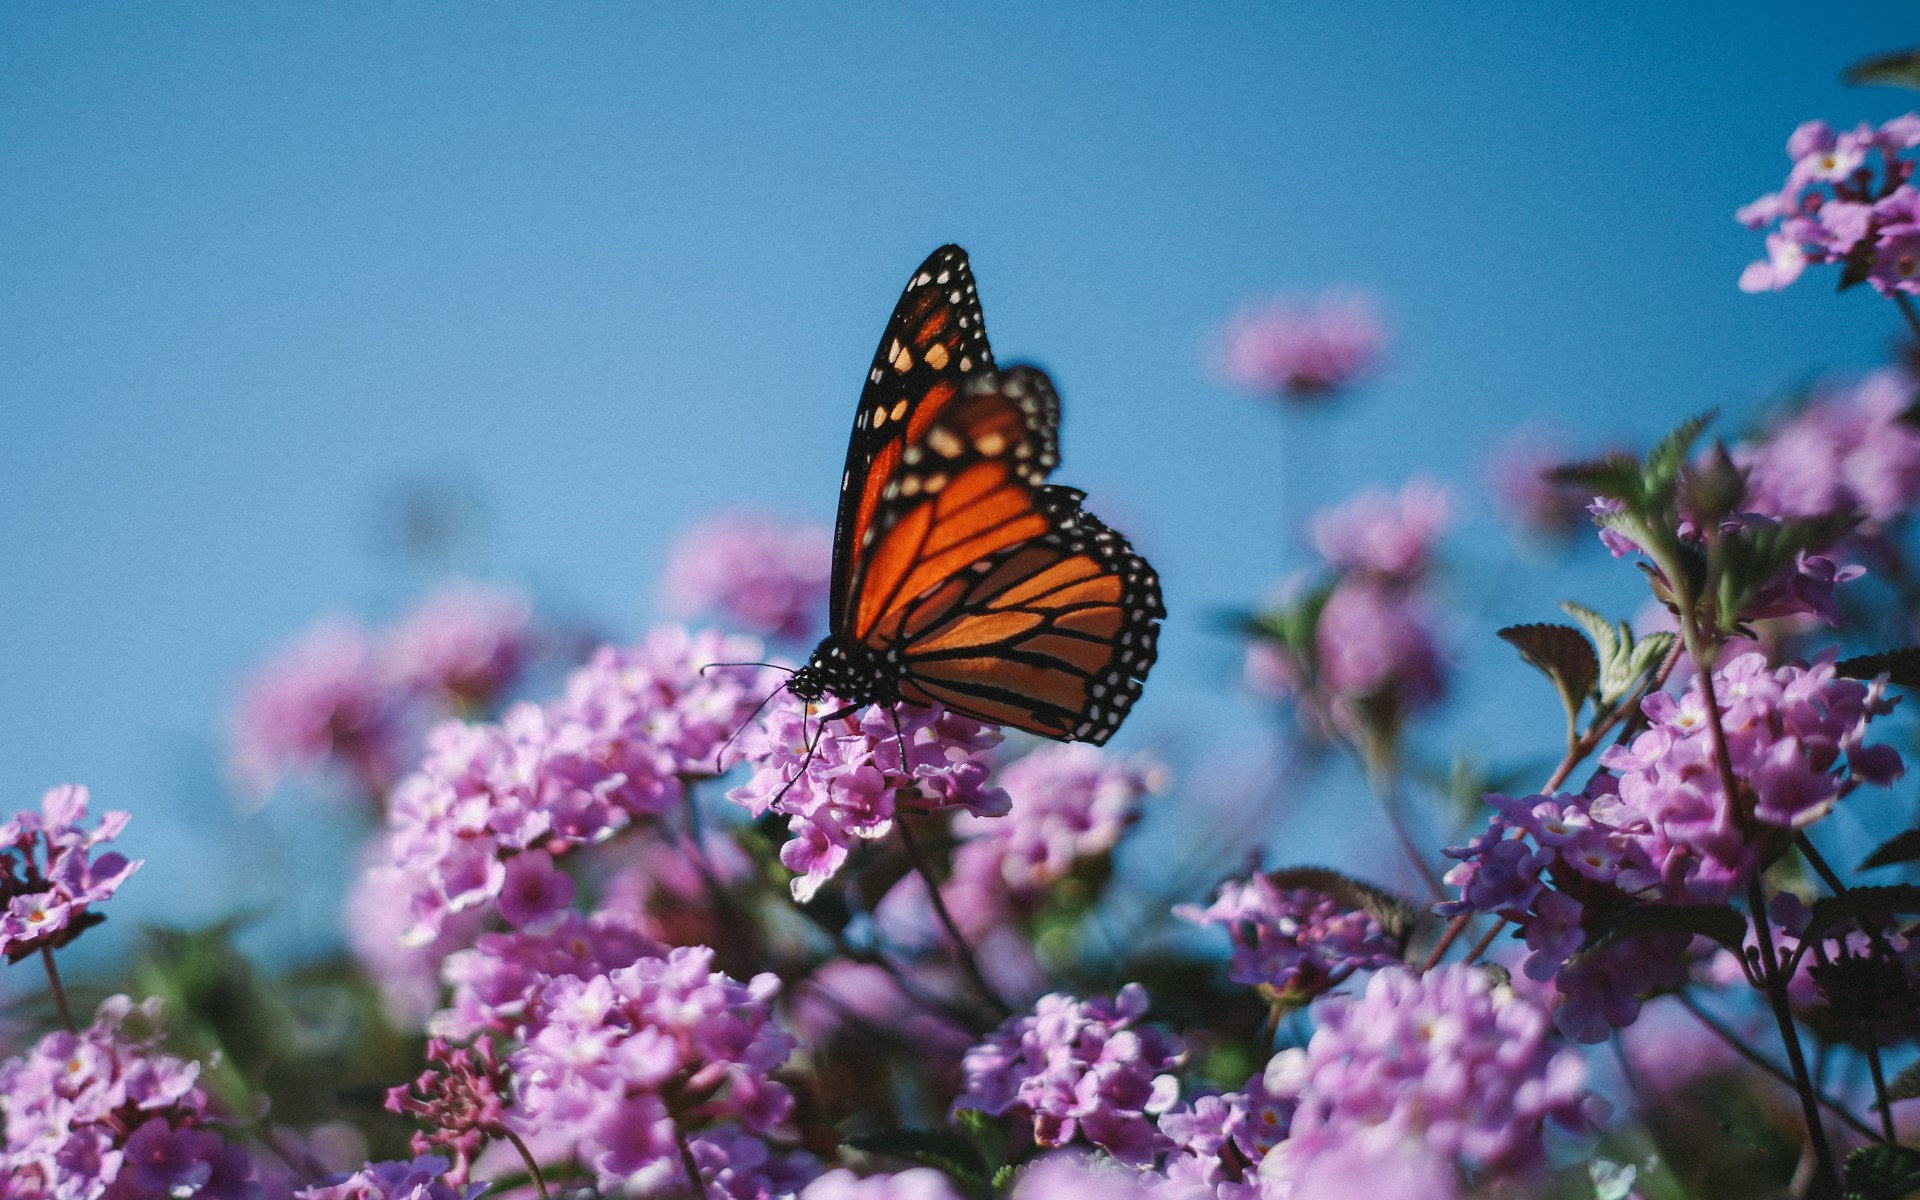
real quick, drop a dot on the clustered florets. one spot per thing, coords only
(1658, 825)
(1847, 199)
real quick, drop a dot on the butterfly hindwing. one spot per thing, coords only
(935, 340)
(1003, 598)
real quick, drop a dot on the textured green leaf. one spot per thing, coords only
(1395, 914)
(1616, 477)
(1830, 911)
(1724, 925)
(942, 1148)
(1905, 1085)
(1882, 1172)
(1901, 847)
(1901, 68)
(1561, 654)
(1665, 459)
(1901, 667)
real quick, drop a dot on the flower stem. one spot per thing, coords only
(961, 949)
(533, 1168)
(1880, 1098)
(1486, 940)
(1819, 864)
(1774, 979)
(59, 992)
(1739, 1046)
(687, 1164)
(1455, 928)
(1383, 779)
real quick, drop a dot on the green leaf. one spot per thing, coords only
(1719, 922)
(1905, 1085)
(1395, 914)
(942, 1148)
(1649, 652)
(1623, 660)
(1617, 477)
(1664, 460)
(1901, 667)
(1901, 68)
(1829, 911)
(1882, 1172)
(1563, 656)
(1901, 847)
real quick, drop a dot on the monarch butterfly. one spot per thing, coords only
(959, 574)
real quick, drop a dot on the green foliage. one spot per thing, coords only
(1721, 923)
(1882, 1172)
(1829, 912)
(1901, 667)
(1901, 847)
(942, 1149)
(1564, 657)
(1624, 662)
(1901, 68)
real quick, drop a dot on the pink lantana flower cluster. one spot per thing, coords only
(423, 1178)
(759, 573)
(844, 781)
(1296, 942)
(1371, 659)
(1658, 826)
(1847, 199)
(1445, 1070)
(1849, 451)
(1081, 1069)
(478, 827)
(345, 698)
(1302, 352)
(103, 1114)
(51, 874)
(657, 1061)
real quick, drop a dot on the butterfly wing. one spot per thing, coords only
(935, 340)
(1002, 597)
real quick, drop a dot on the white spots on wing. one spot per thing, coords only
(899, 409)
(945, 442)
(990, 444)
(936, 356)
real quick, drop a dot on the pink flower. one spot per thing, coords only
(322, 701)
(50, 876)
(845, 782)
(763, 574)
(1846, 199)
(466, 644)
(1303, 351)
(1387, 535)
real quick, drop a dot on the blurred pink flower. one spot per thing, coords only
(760, 573)
(1302, 351)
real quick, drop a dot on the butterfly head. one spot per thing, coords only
(855, 674)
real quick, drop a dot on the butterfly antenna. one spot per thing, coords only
(719, 754)
(769, 666)
(901, 741)
(813, 745)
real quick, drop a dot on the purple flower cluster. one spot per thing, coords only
(104, 1114)
(1444, 1066)
(479, 825)
(421, 1179)
(1373, 658)
(1657, 825)
(50, 875)
(1303, 352)
(1847, 200)
(341, 697)
(1220, 1141)
(758, 572)
(1297, 942)
(845, 782)
(1070, 805)
(465, 644)
(494, 981)
(628, 1065)
(920, 1183)
(1081, 1068)
(1847, 452)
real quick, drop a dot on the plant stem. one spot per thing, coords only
(1739, 1046)
(1819, 864)
(1775, 980)
(1486, 939)
(59, 992)
(961, 949)
(1383, 778)
(1455, 928)
(533, 1168)
(1880, 1097)
(687, 1164)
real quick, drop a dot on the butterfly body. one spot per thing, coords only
(960, 576)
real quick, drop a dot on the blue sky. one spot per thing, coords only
(614, 266)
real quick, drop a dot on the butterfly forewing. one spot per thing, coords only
(934, 341)
(960, 576)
